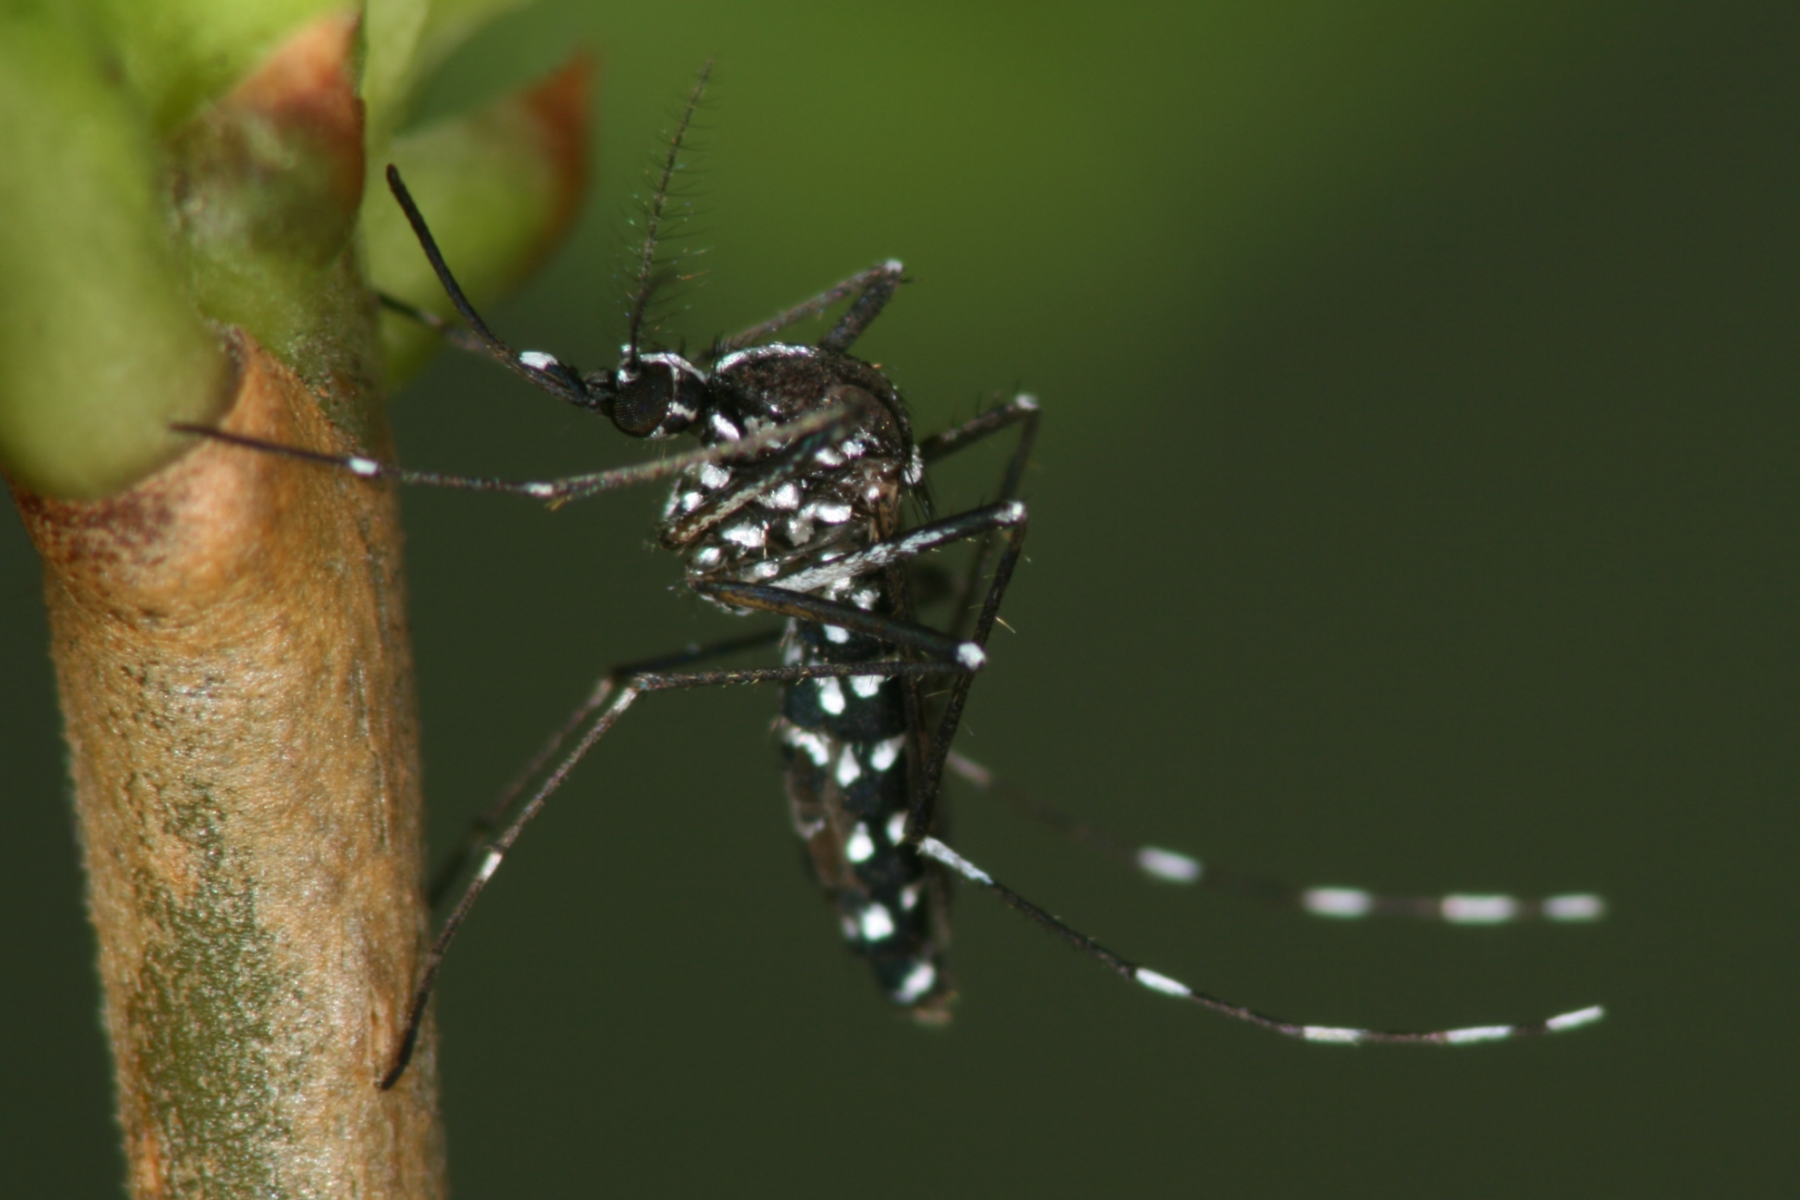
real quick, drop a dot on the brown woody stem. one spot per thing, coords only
(237, 690)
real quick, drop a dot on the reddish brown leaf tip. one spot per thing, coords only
(307, 91)
(559, 108)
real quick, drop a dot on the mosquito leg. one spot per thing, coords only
(791, 601)
(1172, 866)
(1158, 982)
(919, 820)
(865, 309)
(489, 819)
(497, 850)
(971, 654)
(556, 491)
(1022, 408)
(614, 706)
(881, 279)
(895, 631)
(1022, 411)
(976, 522)
(793, 461)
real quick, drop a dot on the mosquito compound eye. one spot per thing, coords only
(641, 400)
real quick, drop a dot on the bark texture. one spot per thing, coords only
(231, 653)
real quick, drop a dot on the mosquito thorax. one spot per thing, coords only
(774, 384)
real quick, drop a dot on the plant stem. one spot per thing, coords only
(230, 645)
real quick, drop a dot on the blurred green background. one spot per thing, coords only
(1414, 509)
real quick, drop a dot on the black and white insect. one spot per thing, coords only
(806, 499)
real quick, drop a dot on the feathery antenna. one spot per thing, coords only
(640, 301)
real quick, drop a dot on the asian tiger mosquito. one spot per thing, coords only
(795, 504)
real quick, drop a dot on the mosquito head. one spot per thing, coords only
(650, 395)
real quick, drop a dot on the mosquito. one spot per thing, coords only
(806, 499)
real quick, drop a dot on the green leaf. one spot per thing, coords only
(100, 347)
(180, 54)
(407, 41)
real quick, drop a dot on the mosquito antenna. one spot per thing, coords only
(640, 301)
(554, 377)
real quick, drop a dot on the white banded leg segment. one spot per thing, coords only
(908, 545)
(1574, 1020)
(1478, 910)
(1156, 981)
(1172, 866)
(1455, 908)
(356, 464)
(1337, 902)
(931, 848)
(497, 851)
(1480, 1033)
(970, 770)
(489, 865)
(1495, 910)
(1578, 906)
(1469, 1036)
(564, 489)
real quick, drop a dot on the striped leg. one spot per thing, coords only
(1021, 411)
(873, 288)
(1172, 866)
(556, 491)
(1158, 982)
(617, 691)
(620, 688)
(487, 821)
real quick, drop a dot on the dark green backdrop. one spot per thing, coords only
(1414, 509)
